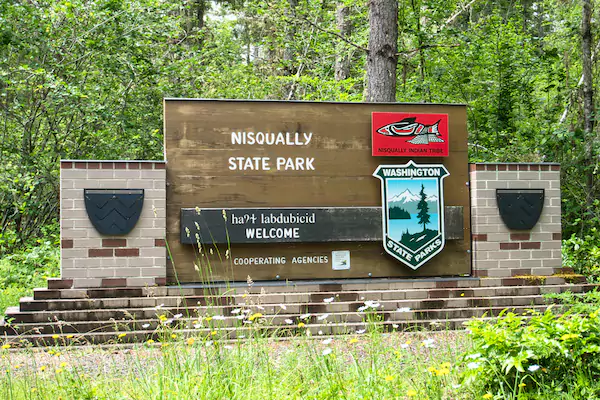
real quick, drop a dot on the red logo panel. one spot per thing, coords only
(409, 134)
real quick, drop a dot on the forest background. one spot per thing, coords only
(85, 79)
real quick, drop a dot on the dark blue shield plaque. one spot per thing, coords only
(520, 208)
(114, 211)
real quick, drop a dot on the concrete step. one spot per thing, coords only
(283, 320)
(18, 316)
(300, 287)
(30, 304)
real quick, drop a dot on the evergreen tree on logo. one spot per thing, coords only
(423, 208)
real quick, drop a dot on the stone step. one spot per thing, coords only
(30, 304)
(295, 308)
(300, 287)
(210, 335)
(284, 320)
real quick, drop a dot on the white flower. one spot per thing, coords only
(322, 317)
(403, 309)
(177, 316)
(327, 351)
(283, 306)
(371, 304)
(473, 356)
(404, 345)
(219, 317)
(327, 341)
(169, 321)
(240, 317)
(361, 308)
(320, 332)
(236, 311)
(533, 368)
(260, 308)
(395, 326)
(305, 316)
(428, 343)
(473, 365)
(241, 336)
(209, 343)
(198, 326)
(361, 331)
(145, 326)
(228, 347)
(288, 321)
(328, 300)
(158, 307)
(456, 386)
(247, 311)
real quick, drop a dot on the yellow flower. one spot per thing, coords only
(58, 370)
(442, 372)
(6, 346)
(69, 336)
(122, 335)
(43, 368)
(256, 315)
(389, 378)
(411, 393)
(57, 354)
(301, 325)
(353, 340)
(432, 370)
(208, 318)
(245, 295)
(17, 366)
(213, 333)
(162, 317)
(488, 396)
(164, 345)
(408, 342)
(190, 341)
(462, 295)
(63, 364)
(569, 336)
(55, 337)
(521, 385)
(33, 389)
(173, 336)
(150, 341)
(445, 365)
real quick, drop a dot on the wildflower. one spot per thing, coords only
(305, 316)
(227, 254)
(328, 300)
(442, 372)
(322, 317)
(411, 393)
(6, 346)
(197, 326)
(208, 319)
(320, 332)
(361, 331)
(58, 370)
(403, 309)
(219, 317)
(372, 304)
(236, 311)
(177, 316)
(150, 341)
(211, 251)
(164, 345)
(405, 345)
(462, 295)
(173, 336)
(213, 333)
(69, 336)
(301, 325)
(288, 321)
(158, 307)
(389, 378)
(162, 318)
(260, 307)
(241, 336)
(395, 326)
(255, 316)
(122, 335)
(327, 341)
(283, 306)
(353, 340)
(432, 370)
(473, 365)
(473, 356)
(196, 267)
(190, 341)
(228, 347)
(522, 385)
(533, 368)
(34, 389)
(145, 326)
(55, 337)
(209, 343)
(224, 215)
(488, 396)
(327, 351)
(63, 364)
(43, 368)
(361, 308)
(427, 343)
(455, 385)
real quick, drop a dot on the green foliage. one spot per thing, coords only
(527, 355)
(25, 269)
(578, 303)
(583, 254)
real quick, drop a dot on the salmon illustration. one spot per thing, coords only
(423, 134)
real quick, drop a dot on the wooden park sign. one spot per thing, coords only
(285, 190)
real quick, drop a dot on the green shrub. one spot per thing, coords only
(583, 254)
(522, 356)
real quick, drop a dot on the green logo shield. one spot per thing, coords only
(413, 211)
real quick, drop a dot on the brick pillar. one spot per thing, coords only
(90, 259)
(499, 251)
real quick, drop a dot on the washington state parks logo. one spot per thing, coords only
(413, 211)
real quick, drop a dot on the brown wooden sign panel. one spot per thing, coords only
(306, 155)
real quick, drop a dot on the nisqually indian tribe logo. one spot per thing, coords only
(413, 211)
(409, 134)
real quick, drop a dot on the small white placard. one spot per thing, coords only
(340, 259)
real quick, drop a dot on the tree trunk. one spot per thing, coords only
(383, 48)
(342, 58)
(588, 98)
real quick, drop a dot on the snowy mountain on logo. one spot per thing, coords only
(409, 201)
